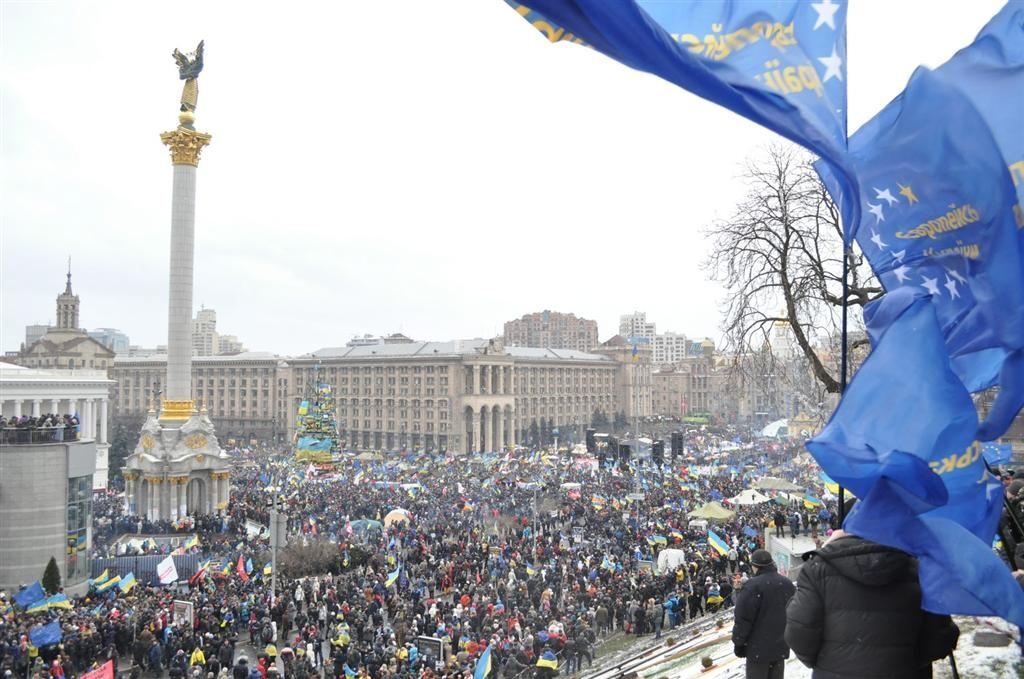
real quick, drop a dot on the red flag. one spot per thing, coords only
(240, 569)
(104, 671)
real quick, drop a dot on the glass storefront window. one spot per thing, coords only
(79, 519)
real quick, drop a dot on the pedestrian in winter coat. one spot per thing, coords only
(857, 614)
(241, 669)
(760, 619)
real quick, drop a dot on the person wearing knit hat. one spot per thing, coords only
(760, 619)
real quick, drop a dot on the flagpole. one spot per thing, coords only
(843, 358)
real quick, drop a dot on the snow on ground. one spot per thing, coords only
(972, 661)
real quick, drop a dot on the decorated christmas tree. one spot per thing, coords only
(316, 436)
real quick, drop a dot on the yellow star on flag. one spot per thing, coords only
(907, 193)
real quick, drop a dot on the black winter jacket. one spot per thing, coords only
(760, 617)
(857, 615)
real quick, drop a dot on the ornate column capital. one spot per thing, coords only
(185, 145)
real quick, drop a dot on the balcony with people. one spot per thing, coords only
(39, 429)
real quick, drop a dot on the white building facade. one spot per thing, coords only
(31, 392)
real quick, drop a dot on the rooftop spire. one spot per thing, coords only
(67, 288)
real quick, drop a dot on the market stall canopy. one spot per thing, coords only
(771, 483)
(749, 497)
(712, 510)
(396, 516)
(369, 457)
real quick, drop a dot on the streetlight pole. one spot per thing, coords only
(274, 537)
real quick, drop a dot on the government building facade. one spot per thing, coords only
(457, 396)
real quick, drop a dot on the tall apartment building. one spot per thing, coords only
(670, 348)
(636, 325)
(552, 330)
(204, 333)
(206, 341)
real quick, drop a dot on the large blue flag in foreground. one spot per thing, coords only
(990, 72)
(938, 217)
(903, 439)
(780, 63)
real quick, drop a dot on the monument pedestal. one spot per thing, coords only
(177, 469)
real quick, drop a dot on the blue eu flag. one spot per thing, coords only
(990, 72)
(902, 439)
(47, 634)
(937, 216)
(780, 63)
(903, 405)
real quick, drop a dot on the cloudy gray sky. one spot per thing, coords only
(434, 168)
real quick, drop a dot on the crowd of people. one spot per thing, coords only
(55, 427)
(533, 556)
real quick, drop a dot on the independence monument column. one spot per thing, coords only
(178, 469)
(185, 144)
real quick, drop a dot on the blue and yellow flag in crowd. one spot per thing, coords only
(110, 582)
(393, 577)
(779, 63)
(483, 665)
(127, 583)
(717, 543)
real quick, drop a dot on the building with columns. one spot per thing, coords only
(458, 396)
(25, 391)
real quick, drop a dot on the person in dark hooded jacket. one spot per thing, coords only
(760, 618)
(857, 614)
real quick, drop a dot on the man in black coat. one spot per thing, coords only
(760, 619)
(857, 614)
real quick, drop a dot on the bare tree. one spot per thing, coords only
(779, 257)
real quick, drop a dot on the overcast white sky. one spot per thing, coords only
(433, 168)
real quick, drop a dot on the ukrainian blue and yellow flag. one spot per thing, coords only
(100, 579)
(108, 584)
(192, 542)
(531, 569)
(392, 577)
(127, 582)
(548, 659)
(268, 569)
(717, 543)
(39, 607)
(59, 601)
(483, 665)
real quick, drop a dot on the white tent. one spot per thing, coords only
(749, 497)
(776, 429)
(669, 559)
